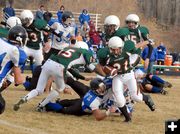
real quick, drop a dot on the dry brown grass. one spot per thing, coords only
(28, 121)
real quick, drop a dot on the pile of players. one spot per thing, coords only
(57, 56)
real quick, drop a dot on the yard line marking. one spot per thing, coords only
(22, 128)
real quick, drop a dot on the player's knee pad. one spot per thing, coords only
(136, 97)
(2, 104)
(40, 91)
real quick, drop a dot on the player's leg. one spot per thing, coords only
(44, 76)
(136, 94)
(159, 81)
(29, 52)
(7, 82)
(38, 56)
(32, 83)
(74, 107)
(117, 88)
(60, 84)
(2, 104)
(155, 89)
(80, 88)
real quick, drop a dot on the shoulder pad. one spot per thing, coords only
(144, 30)
(40, 24)
(122, 31)
(128, 46)
(3, 32)
(103, 52)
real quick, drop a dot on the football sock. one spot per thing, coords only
(156, 89)
(53, 94)
(53, 107)
(157, 79)
(26, 84)
(31, 94)
(125, 113)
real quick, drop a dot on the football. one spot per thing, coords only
(109, 70)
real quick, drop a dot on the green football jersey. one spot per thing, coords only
(129, 47)
(139, 34)
(121, 32)
(71, 57)
(34, 33)
(103, 55)
(3, 32)
(122, 62)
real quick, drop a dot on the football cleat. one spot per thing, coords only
(20, 102)
(150, 103)
(167, 84)
(164, 92)
(40, 109)
(128, 120)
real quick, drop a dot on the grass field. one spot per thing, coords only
(28, 121)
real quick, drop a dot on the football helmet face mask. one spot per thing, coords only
(26, 17)
(132, 21)
(13, 21)
(67, 18)
(18, 36)
(111, 24)
(115, 45)
(98, 87)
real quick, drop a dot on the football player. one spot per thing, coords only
(65, 31)
(64, 60)
(12, 57)
(34, 28)
(151, 83)
(119, 58)
(138, 34)
(90, 103)
(112, 28)
(11, 22)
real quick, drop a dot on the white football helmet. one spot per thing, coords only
(133, 18)
(112, 20)
(81, 44)
(115, 42)
(26, 17)
(13, 21)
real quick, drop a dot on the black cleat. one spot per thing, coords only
(150, 103)
(128, 120)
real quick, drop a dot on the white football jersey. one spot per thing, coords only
(66, 34)
(9, 57)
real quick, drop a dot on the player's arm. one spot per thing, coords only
(42, 25)
(18, 78)
(15, 58)
(76, 74)
(100, 115)
(91, 66)
(142, 44)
